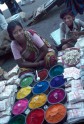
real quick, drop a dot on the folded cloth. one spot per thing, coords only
(80, 42)
(75, 96)
(75, 115)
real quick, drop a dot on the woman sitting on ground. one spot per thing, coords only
(29, 49)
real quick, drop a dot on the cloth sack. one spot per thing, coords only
(80, 42)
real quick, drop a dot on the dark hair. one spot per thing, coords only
(66, 12)
(11, 26)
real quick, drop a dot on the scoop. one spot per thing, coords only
(37, 77)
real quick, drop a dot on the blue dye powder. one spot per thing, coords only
(57, 81)
(56, 70)
(40, 87)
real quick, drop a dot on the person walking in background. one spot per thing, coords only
(3, 22)
(76, 6)
(12, 5)
(70, 29)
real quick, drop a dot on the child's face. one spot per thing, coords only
(68, 19)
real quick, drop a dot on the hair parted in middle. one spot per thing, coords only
(11, 26)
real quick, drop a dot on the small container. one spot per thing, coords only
(26, 81)
(19, 119)
(57, 96)
(37, 101)
(56, 70)
(20, 106)
(24, 93)
(41, 87)
(58, 81)
(43, 74)
(36, 116)
(56, 114)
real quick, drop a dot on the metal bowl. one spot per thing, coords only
(56, 114)
(56, 70)
(57, 95)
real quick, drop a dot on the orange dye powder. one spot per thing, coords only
(55, 113)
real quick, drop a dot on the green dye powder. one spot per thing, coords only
(20, 119)
(26, 81)
(56, 71)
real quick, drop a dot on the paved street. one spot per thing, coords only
(44, 27)
(48, 24)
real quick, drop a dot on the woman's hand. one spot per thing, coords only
(41, 63)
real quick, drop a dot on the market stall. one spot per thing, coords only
(56, 98)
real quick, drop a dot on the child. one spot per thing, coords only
(70, 29)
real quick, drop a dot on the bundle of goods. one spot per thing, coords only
(71, 56)
(8, 89)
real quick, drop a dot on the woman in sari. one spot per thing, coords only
(29, 49)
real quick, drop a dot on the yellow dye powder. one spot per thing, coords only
(23, 92)
(37, 101)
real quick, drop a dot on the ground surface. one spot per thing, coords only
(44, 27)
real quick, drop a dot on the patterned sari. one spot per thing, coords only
(32, 52)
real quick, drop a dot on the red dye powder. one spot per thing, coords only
(42, 74)
(36, 116)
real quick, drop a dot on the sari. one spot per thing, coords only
(32, 52)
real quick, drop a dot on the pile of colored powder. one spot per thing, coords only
(57, 81)
(36, 116)
(19, 119)
(56, 96)
(37, 101)
(43, 74)
(26, 81)
(40, 87)
(20, 106)
(55, 113)
(56, 70)
(23, 92)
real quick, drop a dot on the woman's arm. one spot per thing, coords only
(43, 52)
(25, 64)
(41, 45)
